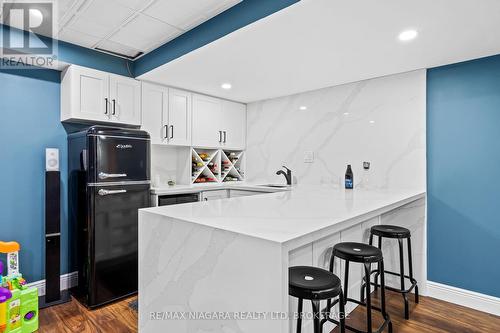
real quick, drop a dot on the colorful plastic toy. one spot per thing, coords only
(18, 302)
(5, 295)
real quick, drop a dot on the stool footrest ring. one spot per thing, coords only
(327, 309)
(398, 290)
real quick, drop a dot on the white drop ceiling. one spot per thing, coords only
(320, 43)
(132, 27)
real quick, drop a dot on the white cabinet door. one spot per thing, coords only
(234, 125)
(213, 195)
(179, 117)
(243, 193)
(155, 112)
(207, 112)
(91, 94)
(125, 100)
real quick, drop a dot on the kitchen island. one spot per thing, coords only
(222, 265)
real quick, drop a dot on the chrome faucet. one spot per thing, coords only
(287, 174)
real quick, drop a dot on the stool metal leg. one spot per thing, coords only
(299, 319)
(382, 294)
(368, 299)
(402, 276)
(342, 313)
(346, 281)
(410, 267)
(378, 266)
(332, 266)
(318, 328)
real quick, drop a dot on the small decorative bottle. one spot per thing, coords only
(349, 178)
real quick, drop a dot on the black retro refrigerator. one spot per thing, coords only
(109, 180)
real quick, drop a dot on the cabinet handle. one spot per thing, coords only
(106, 101)
(166, 131)
(220, 136)
(225, 136)
(171, 131)
(114, 107)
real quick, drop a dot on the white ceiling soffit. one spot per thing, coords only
(131, 28)
(319, 43)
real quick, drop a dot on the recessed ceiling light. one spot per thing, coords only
(407, 35)
(226, 86)
(346, 113)
(303, 108)
(372, 121)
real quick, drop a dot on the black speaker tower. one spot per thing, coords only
(53, 294)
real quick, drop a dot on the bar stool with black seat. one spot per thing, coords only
(314, 284)
(366, 255)
(399, 233)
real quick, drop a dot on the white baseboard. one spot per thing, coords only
(68, 281)
(470, 299)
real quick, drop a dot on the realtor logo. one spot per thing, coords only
(28, 34)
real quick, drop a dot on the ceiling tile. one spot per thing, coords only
(64, 5)
(77, 37)
(90, 27)
(118, 48)
(144, 32)
(186, 13)
(134, 4)
(107, 13)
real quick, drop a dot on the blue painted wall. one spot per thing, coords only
(29, 109)
(463, 168)
(236, 17)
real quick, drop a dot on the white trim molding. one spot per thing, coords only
(68, 281)
(470, 299)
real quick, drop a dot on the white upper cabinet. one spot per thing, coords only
(218, 123)
(166, 115)
(155, 112)
(179, 117)
(234, 117)
(207, 129)
(89, 95)
(125, 100)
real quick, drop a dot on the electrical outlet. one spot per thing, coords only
(308, 157)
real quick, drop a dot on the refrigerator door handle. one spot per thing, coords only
(108, 192)
(103, 175)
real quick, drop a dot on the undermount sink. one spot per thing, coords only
(274, 185)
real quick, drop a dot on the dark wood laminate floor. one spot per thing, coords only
(431, 315)
(74, 317)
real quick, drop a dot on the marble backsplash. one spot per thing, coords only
(381, 121)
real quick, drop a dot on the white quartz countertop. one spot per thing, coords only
(181, 189)
(287, 215)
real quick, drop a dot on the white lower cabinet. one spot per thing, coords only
(243, 193)
(319, 253)
(229, 193)
(92, 96)
(213, 195)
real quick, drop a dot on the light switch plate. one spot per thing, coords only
(308, 157)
